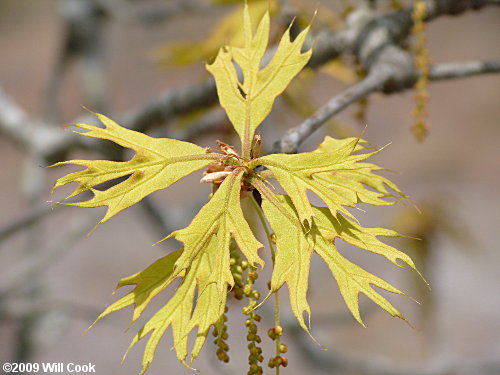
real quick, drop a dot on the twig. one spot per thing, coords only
(375, 81)
(364, 35)
(462, 70)
(295, 136)
(30, 135)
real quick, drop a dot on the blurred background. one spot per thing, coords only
(116, 56)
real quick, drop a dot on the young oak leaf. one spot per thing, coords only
(221, 217)
(351, 183)
(149, 282)
(157, 164)
(298, 173)
(331, 227)
(291, 264)
(350, 278)
(247, 104)
(178, 312)
(334, 173)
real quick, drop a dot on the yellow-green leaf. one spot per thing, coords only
(291, 264)
(364, 238)
(248, 103)
(295, 246)
(178, 311)
(221, 217)
(333, 172)
(352, 183)
(297, 174)
(157, 164)
(149, 282)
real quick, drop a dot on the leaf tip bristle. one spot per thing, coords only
(189, 367)
(406, 321)
(93, 229)
(164, 238)
(314, 339)
(126, 353)
(66, 127)
(93, 324)
(88, 110)
(313, 18)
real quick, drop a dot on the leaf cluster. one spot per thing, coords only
(337, 172)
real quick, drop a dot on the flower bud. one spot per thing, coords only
(284, 361)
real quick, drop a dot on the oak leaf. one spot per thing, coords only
(295, 246)
(336, 172)
(157, 164)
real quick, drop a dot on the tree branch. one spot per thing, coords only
(294, 137)
(374, 39)
(462, 70)
(375, 81)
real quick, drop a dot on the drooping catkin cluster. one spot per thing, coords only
(221, 336)
(240, 291)
(255, 357)
(236, 271)
(220, 330)
(421, 127)
(275, 334)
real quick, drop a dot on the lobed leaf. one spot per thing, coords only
(291, 264)
(248, 103)
(333, 173)
(149, 282)
(297, 174)
(295, 246)
(221, 217)
(157, 164)
(178, 312)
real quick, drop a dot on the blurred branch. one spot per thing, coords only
(31, 135)
(295, 136)
(171, 104)
(465, 69)
(82, 39)
(160, 12)
(375, 81)
(374, 39)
